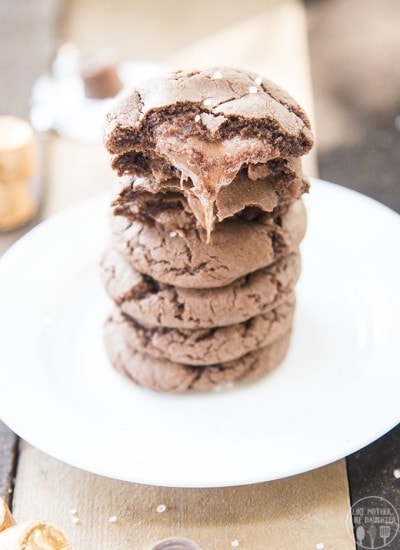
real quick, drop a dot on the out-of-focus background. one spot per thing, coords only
(351, 48)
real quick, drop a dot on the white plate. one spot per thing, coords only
(336, 391)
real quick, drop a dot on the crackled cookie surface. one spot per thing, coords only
(158, 236)
(154, 304)
(168, 376)
(207, 346)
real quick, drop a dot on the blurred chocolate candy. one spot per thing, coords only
(100, 76)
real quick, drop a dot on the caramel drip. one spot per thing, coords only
(208, 166)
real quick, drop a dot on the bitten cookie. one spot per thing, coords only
(155, 304)
(203, 127)
(274, 185)
(166, 376)
(157, 123)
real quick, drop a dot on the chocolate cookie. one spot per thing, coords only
(186, 113)
(207, 346)
(155, 304)
(203, 127)
(273, 187)
(166, 376)
(168, 246)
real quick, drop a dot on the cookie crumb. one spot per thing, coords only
(112, 519)
(217, 75)
(197, 118)
(258, 80)
(253, 89)
(235, 543)
(161, 508)
(207, 101)
(396, 473)
(319, 546)
(173, 234)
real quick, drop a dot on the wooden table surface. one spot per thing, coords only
(296, 513)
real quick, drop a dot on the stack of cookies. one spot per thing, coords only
(206, 222)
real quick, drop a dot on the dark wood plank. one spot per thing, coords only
(374, 471)
(28, 32)
(8, 451)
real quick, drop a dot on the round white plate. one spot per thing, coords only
(336, 391)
